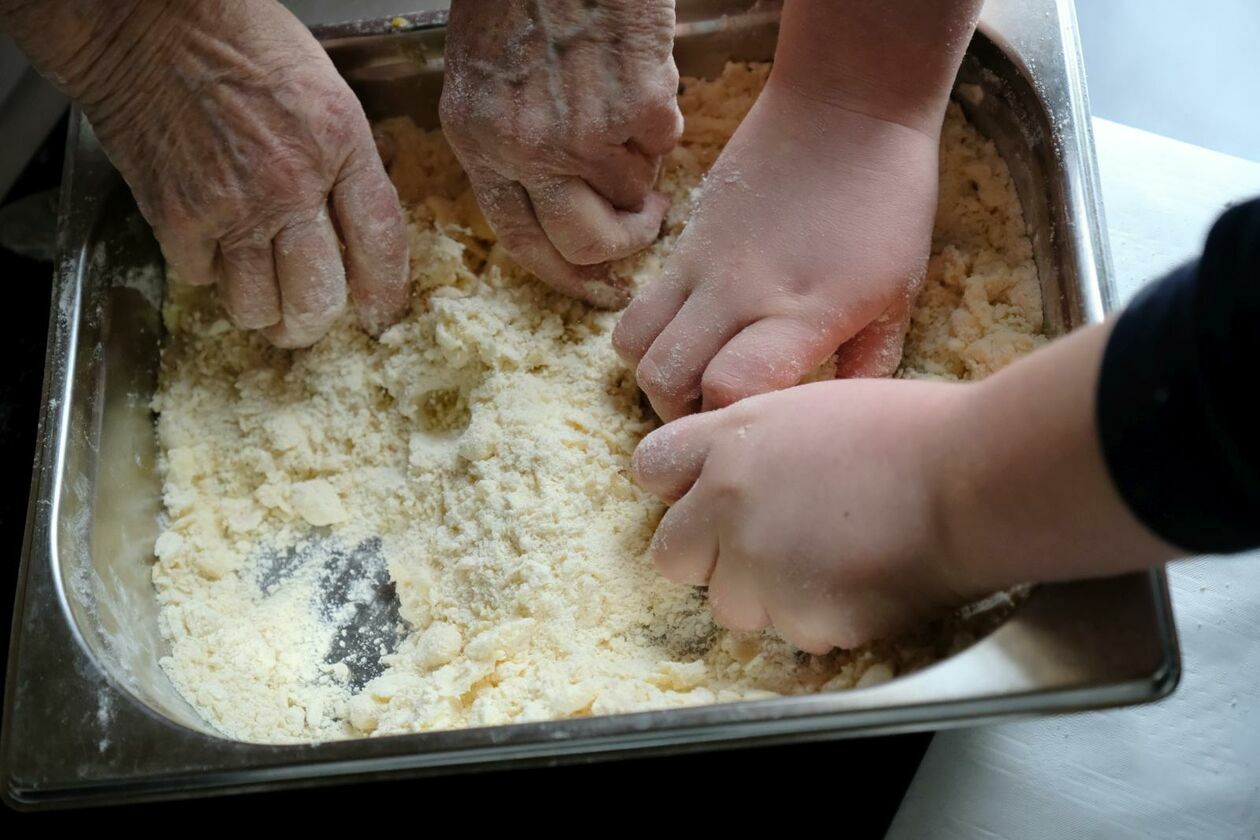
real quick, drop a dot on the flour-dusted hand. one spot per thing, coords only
(247, 153)
(841, 512)
(814, 227)
(819, 510)
(812, 231)
(560, 112)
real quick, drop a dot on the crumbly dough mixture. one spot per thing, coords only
(438, 529)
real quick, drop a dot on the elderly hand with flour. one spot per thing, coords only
(560, 112)
(246, 152)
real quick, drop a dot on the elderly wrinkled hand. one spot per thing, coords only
(560, 112)
(246, 152)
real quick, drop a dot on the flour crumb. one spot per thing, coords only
(318, 503)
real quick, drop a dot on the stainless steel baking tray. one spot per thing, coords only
(89, 715)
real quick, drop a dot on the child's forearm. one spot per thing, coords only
(1027, 492)
(892, 59)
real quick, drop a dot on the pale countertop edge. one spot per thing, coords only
(1160, 197)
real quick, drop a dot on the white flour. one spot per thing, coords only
(438, 530)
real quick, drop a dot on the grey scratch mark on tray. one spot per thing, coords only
(356, 595)
(353, 594)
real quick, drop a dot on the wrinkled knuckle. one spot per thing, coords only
(672, 81)
(171, 210)
(248, 232)
(287, 167)
(648, 33)
(517, 237)
(287, 185)
(453, 113)
(346, 137)
(315, 311)
(584, 249)
(343, 121)
(662, 109)
(250, 318)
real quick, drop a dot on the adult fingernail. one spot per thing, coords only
(605, 295)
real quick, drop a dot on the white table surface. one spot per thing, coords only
(1187, 767)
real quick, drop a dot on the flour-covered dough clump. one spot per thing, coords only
(438, 529)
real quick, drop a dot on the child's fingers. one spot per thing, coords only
(684, 547)
(796, 628)
(769, 355)
(876, 350)
(669, 460)
(733, 597)
(647, 315)
(670, 373)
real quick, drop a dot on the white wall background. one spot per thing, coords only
(1190, 70)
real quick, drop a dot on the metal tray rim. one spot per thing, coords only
(778, 719)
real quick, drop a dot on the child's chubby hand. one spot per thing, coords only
(820, 510)
(812, 233)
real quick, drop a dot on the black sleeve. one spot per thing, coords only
(1177, 397)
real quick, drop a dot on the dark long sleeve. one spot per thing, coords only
(1177, 399)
